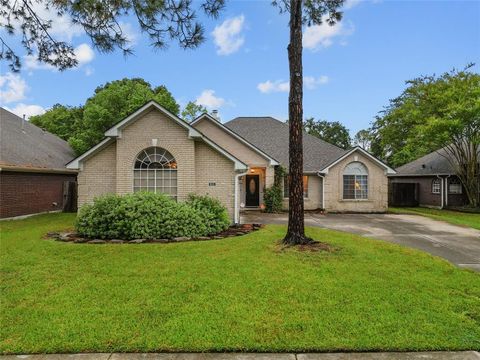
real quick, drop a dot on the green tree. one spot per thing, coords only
(330, 131)
(363, 138)
(60, 120)
(311, 12)
(84, 126)
(435, 112)
(192, 110)
(111, 103)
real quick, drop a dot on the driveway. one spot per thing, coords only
(459, 245)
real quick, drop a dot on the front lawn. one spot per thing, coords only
(238, 294)
(454, 217)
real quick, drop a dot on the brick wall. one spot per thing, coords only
(98, 176)
(24, 193)
(377, 187)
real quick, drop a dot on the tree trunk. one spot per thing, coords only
(296, 231)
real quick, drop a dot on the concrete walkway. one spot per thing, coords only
(460, 355)
(459, 245)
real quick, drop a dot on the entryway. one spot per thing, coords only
(252, 191)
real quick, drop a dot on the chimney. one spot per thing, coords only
(23, 123)
(215, 115)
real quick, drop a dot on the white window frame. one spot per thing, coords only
(165, 163)
(436, 186)
(458, 189)
(359, 171)
(286, 180)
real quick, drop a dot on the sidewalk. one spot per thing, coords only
(460, 355)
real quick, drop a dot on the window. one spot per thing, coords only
(355, 181)
(155, 170)
(436, 186)
(454, 186)
(286, 186)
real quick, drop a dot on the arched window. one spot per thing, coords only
(355, 181)
(155, 170)
(454, 186)
(436, 186)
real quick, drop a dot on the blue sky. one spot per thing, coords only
(351, 70)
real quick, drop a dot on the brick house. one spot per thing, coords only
(429, 181)
(33, 177)
(154, 150)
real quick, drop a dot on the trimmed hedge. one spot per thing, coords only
(146, 215)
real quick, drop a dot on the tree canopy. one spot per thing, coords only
(444, 105)
(433, 113)
(331, 131)
(192, 110)
(84, 126)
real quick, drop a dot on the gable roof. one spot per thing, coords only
(434, 163)
(387, 168)
(116, 131)
(216, 122)
(271, 136)
(29, 147)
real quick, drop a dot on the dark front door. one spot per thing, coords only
(252, 191)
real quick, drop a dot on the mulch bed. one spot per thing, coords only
(232, 231)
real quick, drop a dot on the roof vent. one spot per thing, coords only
(423, 166)
(215, 115)
(23, 123)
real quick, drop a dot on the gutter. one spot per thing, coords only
(236, 209)
(9, 168)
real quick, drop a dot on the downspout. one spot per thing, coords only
(441, 191)
(446, 190)
(323, 189)
(236, 190)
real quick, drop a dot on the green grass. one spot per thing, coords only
(238, 294)
(454, 217)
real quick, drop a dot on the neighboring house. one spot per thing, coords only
(155, 150)
(429, 181)
(33, 177)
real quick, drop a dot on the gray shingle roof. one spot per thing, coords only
(430, 164)
(32, 146)
(271, 136)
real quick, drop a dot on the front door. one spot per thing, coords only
(252, 190)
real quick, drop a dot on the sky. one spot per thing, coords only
(351, 70)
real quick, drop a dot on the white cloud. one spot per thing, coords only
(83, 53)
(129, 32)
(321, 36)
(12, 88)
(208, 99)
(227, 36)
(311, 82)
(273, 86)
(27, 110)
(89, 71)
(350, 4)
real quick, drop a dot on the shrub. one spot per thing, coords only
(213, 213)
(273, 199)
(145, 215)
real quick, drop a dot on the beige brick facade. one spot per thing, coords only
(199, 166)
(314, 199)
(377, 187)
(98, 175)
(214, 176)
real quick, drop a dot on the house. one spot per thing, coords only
(33, 177)
(155, 150)
(429, 181)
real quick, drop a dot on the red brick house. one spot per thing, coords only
(33, 177)
(429, 181)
